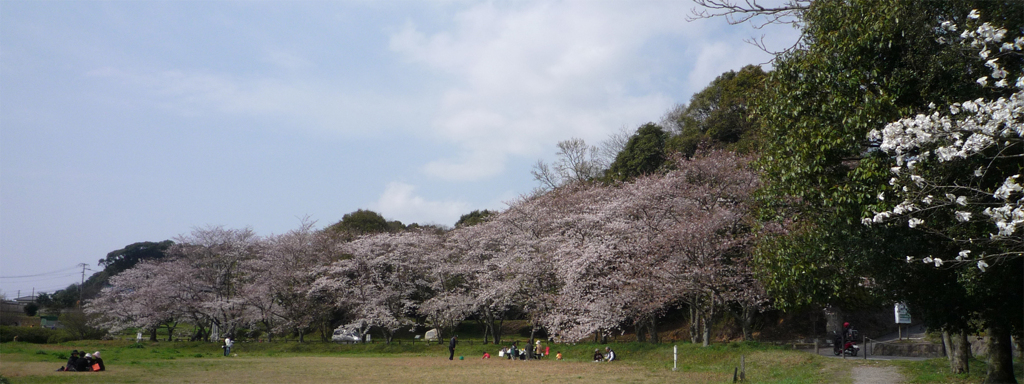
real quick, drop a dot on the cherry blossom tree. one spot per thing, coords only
(277, 282)
(380, 278)
(699, 214)
(475, 255)
(955, 177)
(208, 266)
(957, 171)
(140, 297)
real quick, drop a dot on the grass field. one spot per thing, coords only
(188, 362)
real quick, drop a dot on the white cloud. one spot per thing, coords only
(400, 201)
(530, 74)
(323, 106)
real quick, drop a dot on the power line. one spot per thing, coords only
(41, 274)
(22, 280)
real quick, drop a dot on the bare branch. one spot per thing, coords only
(736, 12)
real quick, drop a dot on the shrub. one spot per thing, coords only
(59, 337)
(26, 334)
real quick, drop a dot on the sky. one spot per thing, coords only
(130, 121)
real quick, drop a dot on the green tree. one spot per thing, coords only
(862, 64)
(127, 257)
(644, 154)
(719, 115)
(59, 300)
(31, 309)
(361, 222)
(473, 218)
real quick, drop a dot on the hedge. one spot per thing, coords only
(31, 334)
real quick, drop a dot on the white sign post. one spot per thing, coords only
(675, 356)
(902, 317)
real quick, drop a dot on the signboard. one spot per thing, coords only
(902, 314)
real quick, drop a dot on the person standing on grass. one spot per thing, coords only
(227, 345)
(451, 347)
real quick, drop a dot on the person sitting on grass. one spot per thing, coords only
(487, 355)
(89, 361)
(83, 363)
(72, 362)
(609, 354)
(97, 362)
(558, 356)
(598, 356)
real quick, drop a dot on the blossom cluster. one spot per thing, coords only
(980, 131)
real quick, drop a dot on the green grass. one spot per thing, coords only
(29, 363)
(937, 371)
(421, 362)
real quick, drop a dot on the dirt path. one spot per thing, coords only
(867, 374)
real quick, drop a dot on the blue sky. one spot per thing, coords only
(134, 121)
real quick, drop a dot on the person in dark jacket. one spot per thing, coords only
(72, 361)
(451, 347)
(97, 360)
(83, 364)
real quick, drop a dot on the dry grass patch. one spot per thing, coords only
(354, 370)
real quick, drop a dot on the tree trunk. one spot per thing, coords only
(1000, 356)
(200, 333)
(152, 334)
(947, 348)
(270, 337)
(747, 322)
(709, 315)
(488, 331)
(961, 352)
(497, 330)
(641, 332)
(529, 348)
(653, 331)
(170, 330)
(706, 335)
(694, 324)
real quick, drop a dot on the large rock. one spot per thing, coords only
(431, 335)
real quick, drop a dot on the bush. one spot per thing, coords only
(26, 334)
(76, 326)
(59, 337)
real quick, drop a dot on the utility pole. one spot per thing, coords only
(83, 265)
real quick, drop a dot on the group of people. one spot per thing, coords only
(609, 355)
(84, 362)
(515, 353)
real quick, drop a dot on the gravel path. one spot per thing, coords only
(866, 374)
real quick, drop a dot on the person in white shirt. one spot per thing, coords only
(227, 345)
